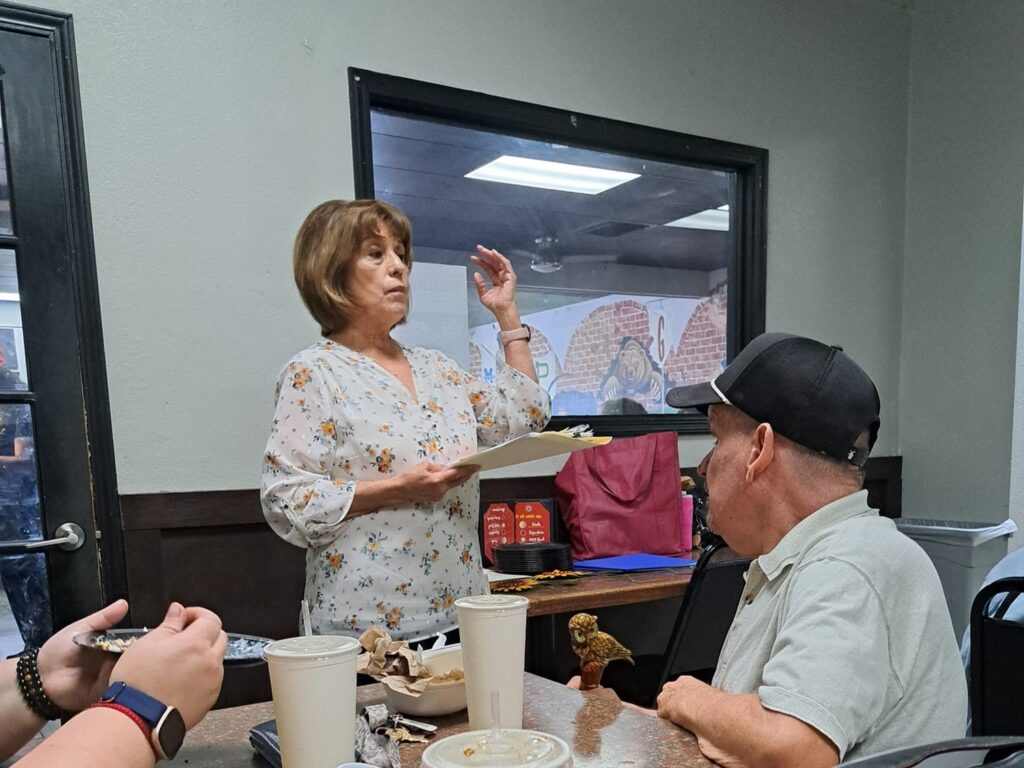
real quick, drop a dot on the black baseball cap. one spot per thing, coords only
(810, 392)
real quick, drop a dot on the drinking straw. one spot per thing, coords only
(306, 624)
(495, 715)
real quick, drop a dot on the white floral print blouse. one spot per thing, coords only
(340, 418)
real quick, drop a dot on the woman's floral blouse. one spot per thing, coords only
(340, 418)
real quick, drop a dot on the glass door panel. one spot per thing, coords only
(6, 224)
(25, 615)
(13, 366)
(25, 619)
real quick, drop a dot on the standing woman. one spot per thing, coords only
(355, 467)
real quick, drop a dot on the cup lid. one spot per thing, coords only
(314, 646)
(522, 748)
(492, 602)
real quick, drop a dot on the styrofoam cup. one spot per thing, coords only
(492, 629)
(313, 681)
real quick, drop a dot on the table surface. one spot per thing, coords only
(602, 590)
(601, 732)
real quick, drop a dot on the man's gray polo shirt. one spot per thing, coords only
(844, 626)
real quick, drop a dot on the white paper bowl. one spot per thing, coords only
(440, 698)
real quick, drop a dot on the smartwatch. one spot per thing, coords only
(167, 728)
(524, 332)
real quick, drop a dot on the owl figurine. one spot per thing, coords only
(593, 645)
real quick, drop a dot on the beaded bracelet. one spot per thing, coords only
(31, 686)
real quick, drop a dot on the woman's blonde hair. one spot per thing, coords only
(325, 247)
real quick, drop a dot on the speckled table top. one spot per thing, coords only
(601, 732)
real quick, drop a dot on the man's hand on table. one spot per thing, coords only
(676, 699)
(607, 693)
(736, 729)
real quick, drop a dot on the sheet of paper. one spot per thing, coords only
(535, 445)
(493, 576)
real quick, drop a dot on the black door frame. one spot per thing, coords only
(72, 598)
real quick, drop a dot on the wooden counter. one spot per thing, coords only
(638, 608)
(601, 733)
(606, 590)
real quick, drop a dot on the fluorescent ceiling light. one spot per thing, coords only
(10, 297)
(712, 218)
(544, 174)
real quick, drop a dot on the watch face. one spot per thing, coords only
(169, 733)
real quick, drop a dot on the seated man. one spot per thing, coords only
(842, 645)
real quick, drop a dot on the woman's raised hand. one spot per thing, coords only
(500, 295)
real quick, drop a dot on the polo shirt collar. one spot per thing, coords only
(807, 530)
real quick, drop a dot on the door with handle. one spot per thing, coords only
(56, 464)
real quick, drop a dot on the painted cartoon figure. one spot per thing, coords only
(632, 372)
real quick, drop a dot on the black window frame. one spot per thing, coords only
(745, 312)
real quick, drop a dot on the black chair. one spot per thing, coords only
(698, 634)
(997, 661)
(708, 609)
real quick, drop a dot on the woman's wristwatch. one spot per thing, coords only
(163, 725)
(523, 332)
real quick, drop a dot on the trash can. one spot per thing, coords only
(963, 553)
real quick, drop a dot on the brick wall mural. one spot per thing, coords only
(591, 361)
(617, 354)
(544, 358)
(701, 349)
(475, 358)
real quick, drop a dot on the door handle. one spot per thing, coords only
(68, 537)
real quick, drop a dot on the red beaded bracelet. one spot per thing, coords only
(146, 730)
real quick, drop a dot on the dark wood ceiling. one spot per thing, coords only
(420, 167)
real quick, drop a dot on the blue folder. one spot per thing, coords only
(641, 561)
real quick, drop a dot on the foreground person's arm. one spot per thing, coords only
(180, 663)
(96, 738)
(20, 722)
(71, 676)
(735, 730)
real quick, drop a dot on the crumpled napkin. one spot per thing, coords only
(376, 749)
(392, 662)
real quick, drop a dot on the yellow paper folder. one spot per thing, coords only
(535, 445)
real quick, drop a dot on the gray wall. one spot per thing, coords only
(965, 177)
(213, 127)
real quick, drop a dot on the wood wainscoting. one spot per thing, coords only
(213, 548)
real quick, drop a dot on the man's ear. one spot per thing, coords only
(761, 452)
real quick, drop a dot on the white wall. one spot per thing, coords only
(964, 190)
(213, 127)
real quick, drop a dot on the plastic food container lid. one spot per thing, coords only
(492, 602)
(313, 647)
(526, 749)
